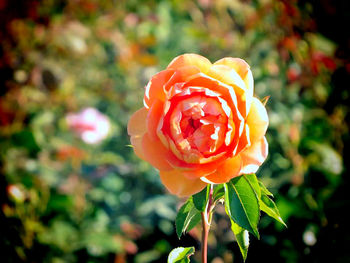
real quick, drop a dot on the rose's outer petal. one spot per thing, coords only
(254, 156)
(190, 60)
(257, 120)
(243, 70)
(136, 130)
(239, 65)
(201, 170)
(136, 142)
(154, 88)
(137, 123)
(153, 117)
(180, 185)
(161, 82)
(249, 83)
(227, 75)
(229, 169)
(155, 153)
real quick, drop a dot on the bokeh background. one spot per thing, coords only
(69, 65)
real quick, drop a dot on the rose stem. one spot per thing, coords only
(206, 226)
(205, 233)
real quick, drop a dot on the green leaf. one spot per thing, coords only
(254, 183)
(194, 221)
(187, 218)
(200, 199)
(219, 192)
(242, 238)
(180, 255)
(270, 208)
(264, 189)
(242, 204)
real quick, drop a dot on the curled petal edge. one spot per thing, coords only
(202, 63)
(254, 156)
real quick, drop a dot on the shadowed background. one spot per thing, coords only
(70, 197)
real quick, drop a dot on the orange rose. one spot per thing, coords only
(200, 124)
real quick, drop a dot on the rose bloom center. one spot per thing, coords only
(198, 126)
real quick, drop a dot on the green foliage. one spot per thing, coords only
(219, 192)
(264, 190)
(254, 184)
(180, 255)
(270, 208)
(242, 204)
(242, 238)
(200, 199)
(187, 217)
(245, 196)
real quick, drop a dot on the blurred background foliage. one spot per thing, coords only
(64, 200)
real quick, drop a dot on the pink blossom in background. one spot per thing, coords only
(90, 124)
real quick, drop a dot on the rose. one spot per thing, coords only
(90, 124)
(200, 123)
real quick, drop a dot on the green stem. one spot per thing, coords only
(206, 225)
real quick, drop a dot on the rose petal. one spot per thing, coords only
(136, 142)
(254, 156)
(243, 69)
(227, 93)
(249, 83)
(153, 117)
(181, 75)
(239, 65)
(244, 140)
(154, 88)
(200, 171)
(229, 76)
(211, 118)
(191, 170)
(155, 153)
(137, 123)
(225, 172)
(257, 120)
(180, 185)
(190, 60)
(223, 90)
